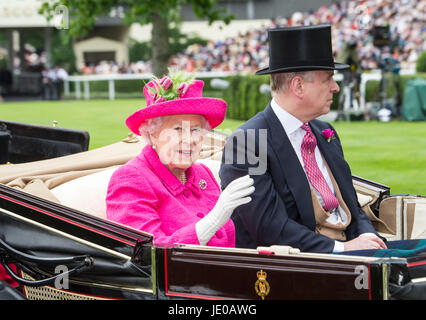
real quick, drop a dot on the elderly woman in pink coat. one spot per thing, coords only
(163, 191)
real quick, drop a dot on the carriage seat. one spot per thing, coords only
(87, 193)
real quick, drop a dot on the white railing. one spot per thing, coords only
(111, 78)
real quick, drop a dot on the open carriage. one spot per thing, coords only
(56, 242)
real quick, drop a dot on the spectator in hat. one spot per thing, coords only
(56, 76)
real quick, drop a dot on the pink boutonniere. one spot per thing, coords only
(328, 134)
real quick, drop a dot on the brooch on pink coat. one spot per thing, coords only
(203, 184)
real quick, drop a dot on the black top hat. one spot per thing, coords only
(301, 49)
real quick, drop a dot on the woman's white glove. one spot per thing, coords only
(235, 194)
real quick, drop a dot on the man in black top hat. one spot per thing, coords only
(304, 197)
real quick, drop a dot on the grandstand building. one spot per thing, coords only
(109, 39)
(19, 17)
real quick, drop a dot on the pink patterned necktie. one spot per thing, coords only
(313, 172)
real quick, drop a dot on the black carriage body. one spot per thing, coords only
(120, 257)
(126, 265)
(24, 142)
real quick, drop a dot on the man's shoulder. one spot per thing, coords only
(258, 121)
(320, 124)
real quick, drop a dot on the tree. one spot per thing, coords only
(178, 42)
(83, 15)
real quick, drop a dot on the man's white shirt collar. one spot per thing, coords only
(289, 122)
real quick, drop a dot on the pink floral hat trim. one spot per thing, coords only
(189, 100)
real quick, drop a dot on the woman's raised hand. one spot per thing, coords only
(235, 194)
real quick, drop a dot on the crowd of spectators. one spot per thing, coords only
(353, 20)
(350, 20)
(107, 67)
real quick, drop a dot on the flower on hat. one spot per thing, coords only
(178, 93)
(170, 87)
(328, 134)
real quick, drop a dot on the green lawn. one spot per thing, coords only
(390, 153)
(103, 119)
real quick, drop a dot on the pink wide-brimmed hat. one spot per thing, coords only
(189, 102)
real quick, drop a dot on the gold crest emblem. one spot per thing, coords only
(261, 286)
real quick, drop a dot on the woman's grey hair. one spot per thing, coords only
(151, 126)
(281, 81)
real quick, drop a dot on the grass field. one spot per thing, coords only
(391, 153)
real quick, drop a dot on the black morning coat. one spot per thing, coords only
(281, 211)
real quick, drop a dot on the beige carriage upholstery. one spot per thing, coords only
(414, 213)
(400, 216)
(86, 193)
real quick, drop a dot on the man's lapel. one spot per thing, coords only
(333, 157)
(290, 164)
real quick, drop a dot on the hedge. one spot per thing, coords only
(421, 62)
(243, 96)
(373, 86)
